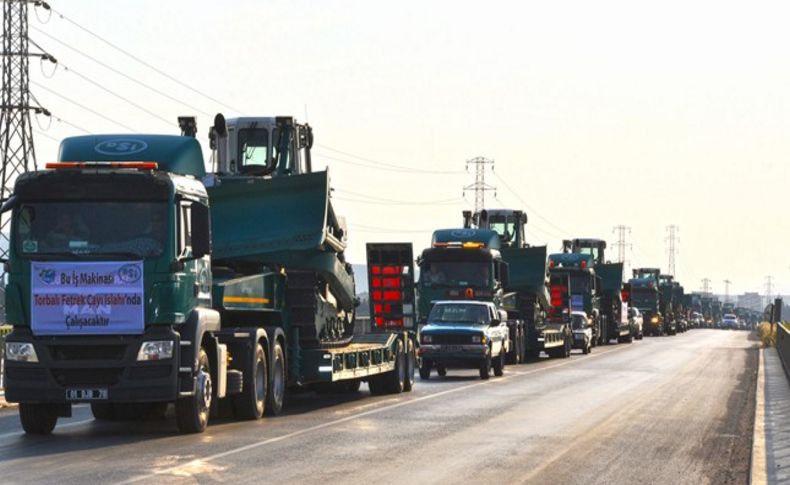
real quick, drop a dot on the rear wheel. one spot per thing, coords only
(499, 364)
(395, 380)
(441, 370)
(275, 397)
(251, 402)
(192, 412)
(411, 363)
(38, 418)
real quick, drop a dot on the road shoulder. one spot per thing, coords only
(770, 459)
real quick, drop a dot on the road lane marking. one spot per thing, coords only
(198, 462)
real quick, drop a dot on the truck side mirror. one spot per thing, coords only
(201, 230)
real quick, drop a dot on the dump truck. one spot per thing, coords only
(137, 279)
(645, 295)
(575, 287)
(525, 296)
(666, 288)
(613, 309)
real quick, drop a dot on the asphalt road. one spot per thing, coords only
(664, 410)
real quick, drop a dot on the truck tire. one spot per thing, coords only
(251, 402)
(499, 364)
(192, 412)
(353, 386)
(102, 411)
(441, 370)
(425, 369)
(38, 418)
(533, 355)
(275, 396)
(395, 381)
(587, 348)
(485, 367)
(411, 363)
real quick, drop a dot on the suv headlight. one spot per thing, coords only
(426, 339)
(20, 352)
(156, 350)
(478, 339)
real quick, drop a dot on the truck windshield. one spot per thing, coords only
(644, 299)
(457, 273)
(459, 313)
(132, 228)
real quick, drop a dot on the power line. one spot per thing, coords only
(90, 110)
(531, 209)
(400, 202)
(391, 230)
(378, 163)
(116, 71)
(387, 167)
(144, 63)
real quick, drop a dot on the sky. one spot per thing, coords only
(596, 114)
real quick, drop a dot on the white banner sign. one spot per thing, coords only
(87, 298)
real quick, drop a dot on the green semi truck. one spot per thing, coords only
(666, 287)
(136, 279)
(645, 295)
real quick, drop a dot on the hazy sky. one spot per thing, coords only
(596, 113)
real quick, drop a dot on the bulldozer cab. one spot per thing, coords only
(507, 223)
(594, 247)
(262, 146)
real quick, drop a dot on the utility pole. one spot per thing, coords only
(727, 291)
(16, 131)
(706, 285)
(672, 249)
(480, 186)
(769, 289)
(621, 245)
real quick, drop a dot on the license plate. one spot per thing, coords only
(452, 348)
(86, 394)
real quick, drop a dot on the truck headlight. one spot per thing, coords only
(20, 352)
(654, 319)
(478, 339)
(156, 350)
(426, 339)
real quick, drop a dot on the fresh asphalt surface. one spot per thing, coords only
(663, 410)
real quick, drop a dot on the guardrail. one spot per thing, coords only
(783, 346)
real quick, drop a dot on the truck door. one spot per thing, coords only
(391, 286)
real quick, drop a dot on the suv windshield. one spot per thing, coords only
(135, 228)
(459, 313)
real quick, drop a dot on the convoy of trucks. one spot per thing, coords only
(137, 279)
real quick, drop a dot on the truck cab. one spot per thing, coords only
(645, 295)
(464, 334)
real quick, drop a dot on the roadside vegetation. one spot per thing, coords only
(767, 333)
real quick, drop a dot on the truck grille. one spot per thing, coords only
(451, 339)
(87, 352)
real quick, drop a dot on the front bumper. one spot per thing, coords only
(454, 354)
(92, 362)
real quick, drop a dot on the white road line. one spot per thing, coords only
(60, 426)
(759, 462)
(329, 424)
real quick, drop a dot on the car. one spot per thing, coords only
(729, 322)
(582, 332)
(636, 321)
(464, 334)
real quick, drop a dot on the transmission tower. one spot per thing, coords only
(672, 248)
(621, 245)
(480, 186)
(727, 291)
(706, 285)
(16, 131)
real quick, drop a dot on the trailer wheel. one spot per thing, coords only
(275, 398)
(485, 367)
(411, 359)
(395, 380)
(499, 364)
(37, 418)
(251, 402)
(425, 369)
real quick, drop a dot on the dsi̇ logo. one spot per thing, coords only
(47, 275)
(121, 146)
(129, 273)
